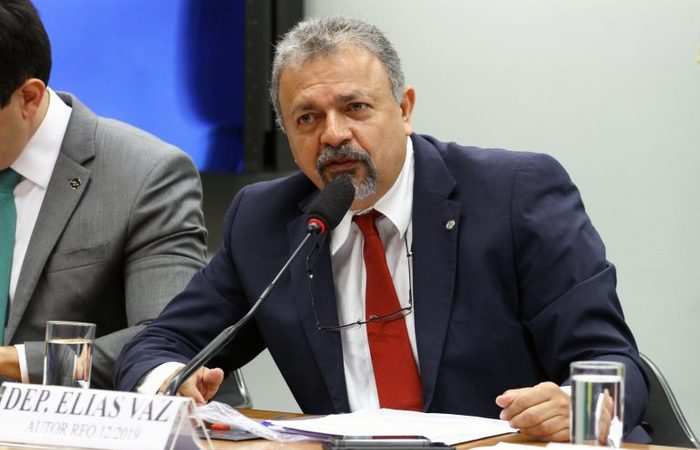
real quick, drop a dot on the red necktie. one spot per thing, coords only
(395, 369)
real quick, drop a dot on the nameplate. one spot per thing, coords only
(92, 418)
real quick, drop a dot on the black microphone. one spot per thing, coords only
(325, 213)
(330, 206)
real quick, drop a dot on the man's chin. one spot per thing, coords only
(363, 187)
(328, 176)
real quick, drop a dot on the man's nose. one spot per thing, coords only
(336, 131)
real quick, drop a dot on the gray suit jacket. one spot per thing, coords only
(119, 233)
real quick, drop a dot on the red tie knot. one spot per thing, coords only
(366, 222)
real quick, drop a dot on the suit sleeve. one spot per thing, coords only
(213, 300)
(166, 245)
(569, 305)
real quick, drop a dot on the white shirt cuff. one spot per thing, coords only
(22, 357)
(153, 380)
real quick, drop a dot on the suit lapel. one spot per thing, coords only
(62, 196)
(326, 346)
(435, 245)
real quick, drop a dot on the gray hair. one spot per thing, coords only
(320, 36)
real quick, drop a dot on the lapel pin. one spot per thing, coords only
(450, 224)
(74, 183)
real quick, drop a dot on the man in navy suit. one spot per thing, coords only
(501, 278)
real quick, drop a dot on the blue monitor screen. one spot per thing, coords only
(174, 68)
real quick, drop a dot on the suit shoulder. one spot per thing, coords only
(268, 205)
(480, 161)
(89, 135)
(130, 139)
(277, 194)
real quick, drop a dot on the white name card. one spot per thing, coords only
(91, 418)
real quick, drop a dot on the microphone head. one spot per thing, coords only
(330, 206)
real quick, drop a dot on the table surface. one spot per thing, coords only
(261, 444)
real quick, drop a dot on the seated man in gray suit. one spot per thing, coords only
(106, 224)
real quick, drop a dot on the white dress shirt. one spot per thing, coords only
(395, 231)
(35, 163)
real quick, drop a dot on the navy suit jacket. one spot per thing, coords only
(507, 298)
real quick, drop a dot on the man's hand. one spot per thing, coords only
(9, 363)
(605, 417)
(201, 386)
(541, 412)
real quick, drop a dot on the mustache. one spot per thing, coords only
(342, 152)
(365, 186)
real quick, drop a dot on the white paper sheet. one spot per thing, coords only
(448, 428)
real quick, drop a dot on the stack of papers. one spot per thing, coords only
(448, 428)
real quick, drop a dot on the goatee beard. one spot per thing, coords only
(364, 187)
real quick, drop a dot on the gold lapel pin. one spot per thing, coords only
(74, 183)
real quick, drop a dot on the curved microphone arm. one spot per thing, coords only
(230, 332)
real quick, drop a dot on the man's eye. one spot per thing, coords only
(305, 119)
(358, 106)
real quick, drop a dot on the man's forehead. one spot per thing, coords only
(343, 53)
(310, 56)
(335, 68)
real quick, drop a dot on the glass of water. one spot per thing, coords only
(68, 353)
(597, 402)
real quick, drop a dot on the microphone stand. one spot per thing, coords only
(230, 332)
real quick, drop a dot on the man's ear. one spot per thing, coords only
(31, 93)
(407, 103)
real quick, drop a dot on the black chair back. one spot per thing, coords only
(234, 391)
(664, 420)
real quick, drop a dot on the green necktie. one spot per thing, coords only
(8, 220)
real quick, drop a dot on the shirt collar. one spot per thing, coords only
(396, 205)
(38, 158)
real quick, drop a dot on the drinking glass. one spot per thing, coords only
(68, 353)
(597, 402)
